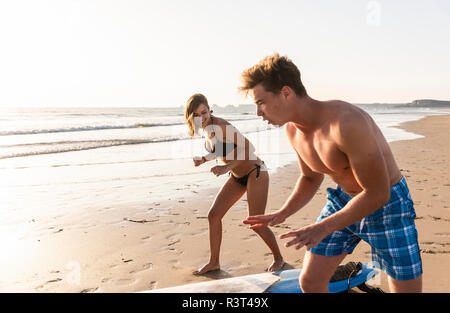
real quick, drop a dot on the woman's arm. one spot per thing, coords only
(203, 159)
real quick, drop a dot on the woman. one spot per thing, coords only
(248, 174)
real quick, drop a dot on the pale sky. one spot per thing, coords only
(158, 53)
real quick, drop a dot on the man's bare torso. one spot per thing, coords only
(320, 151)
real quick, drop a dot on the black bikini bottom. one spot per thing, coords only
(243, 180)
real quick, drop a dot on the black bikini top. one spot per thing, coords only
(223, 148)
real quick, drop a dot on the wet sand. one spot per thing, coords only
(162, 245)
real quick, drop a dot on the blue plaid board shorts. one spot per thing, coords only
(390, 231)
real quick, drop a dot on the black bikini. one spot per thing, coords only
(226, 147)
(223, 147)
(243, 180)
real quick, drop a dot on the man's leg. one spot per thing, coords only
(405, 286)
(392, 233)
(317, 271)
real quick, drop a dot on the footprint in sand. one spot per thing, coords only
(124, 281)
(434, 249)
(145, 267)
(428, 251)
(89, 290)
(438, 218)
(444, 234)
(170, 236)
(283, 226)
(48, 282)
(174, 242)
(250, 237)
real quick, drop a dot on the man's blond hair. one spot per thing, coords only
(273, 72)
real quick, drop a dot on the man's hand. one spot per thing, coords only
(308, 236)
(265, 220)
(220, 169)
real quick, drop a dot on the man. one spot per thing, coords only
(371, 201)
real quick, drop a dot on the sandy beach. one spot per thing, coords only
(120, 251)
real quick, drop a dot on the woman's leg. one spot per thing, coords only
(257, 191)
(230, 192)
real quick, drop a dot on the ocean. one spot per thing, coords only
(29, 131)
(61, 163)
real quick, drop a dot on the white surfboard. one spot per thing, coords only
(257, 283)
(278, 282)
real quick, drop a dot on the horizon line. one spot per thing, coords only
(181, 106)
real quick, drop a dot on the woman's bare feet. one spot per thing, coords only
(276, 265)
(207, 268)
